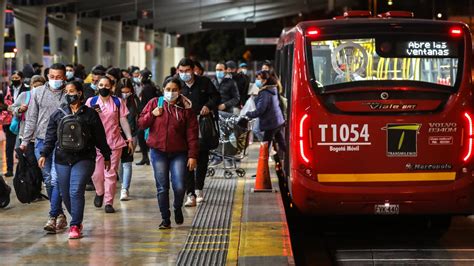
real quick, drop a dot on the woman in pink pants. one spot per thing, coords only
(113, 114)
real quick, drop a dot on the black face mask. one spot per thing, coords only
(16, 82)
(104, 92)
(70, 99)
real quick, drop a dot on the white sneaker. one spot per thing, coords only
(191, 201)
(124, 195)
(199, 196)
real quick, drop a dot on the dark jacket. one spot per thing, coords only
(202, 93)
(133, 113)
(88, 92)
(149, 92)
(229, 93)
(267, 109)
(175, 130)
(243, 82)
(92, 122)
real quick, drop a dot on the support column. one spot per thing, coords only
(3, 6)
(62, 35)
(29, 34)
(150, 50)
(111, 43)
(88, 45)
(170, 54)
(131, 33)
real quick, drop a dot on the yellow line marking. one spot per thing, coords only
(387, 177)
(263, 239)
(205, 249)
(235, 226)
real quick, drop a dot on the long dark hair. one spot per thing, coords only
(126, 83)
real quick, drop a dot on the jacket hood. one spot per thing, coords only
(270, 88)
(187, 104)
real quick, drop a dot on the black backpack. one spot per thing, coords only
(4, 193)
(72, 135)
(28, 179)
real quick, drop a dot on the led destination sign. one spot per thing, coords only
(427, 49)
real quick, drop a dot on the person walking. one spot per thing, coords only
(113, 114)
(174, 146)
(74, 165)
(227, 88)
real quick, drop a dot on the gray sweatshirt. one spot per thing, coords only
(44, 102)
(14, 108)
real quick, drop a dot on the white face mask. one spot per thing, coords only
(170, 96)
(126, 95)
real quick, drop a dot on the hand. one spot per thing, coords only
(192, 164)
(157, 111)
(205, 110)
(23, 148)
(23, 108)
(41, 162)
(130, 147)
(221, 107)
(107, 165)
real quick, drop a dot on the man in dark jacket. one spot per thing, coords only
(227, 88)
(205, 98)
(149, 91)
(240, 79)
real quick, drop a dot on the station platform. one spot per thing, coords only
(234, 226)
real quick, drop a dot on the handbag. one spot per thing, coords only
(208, 132)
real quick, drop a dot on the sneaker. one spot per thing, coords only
(178, 216)
(50, 226)
(90, 187)
(191, 201)
(8, 174)
(199, 196)
(165, 224)
(98, 200)
(61, 222)
(75, 232)
(109, 209)
(124, 195)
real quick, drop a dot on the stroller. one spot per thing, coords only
(233, 144)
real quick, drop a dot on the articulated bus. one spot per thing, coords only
(380, 115)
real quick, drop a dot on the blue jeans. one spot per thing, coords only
(50, 180)
(163, 163)
(125, 174)
(72, 183)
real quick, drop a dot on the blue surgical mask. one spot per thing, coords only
(69, 75)
(185, 76)
(258, 83)
(55, 84)
(93, 86)
(220, 74)
(136, 80)
(244, 71)
(170, 96)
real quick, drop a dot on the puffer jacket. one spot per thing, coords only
(175, 130)
(229, 93)
(267, 109)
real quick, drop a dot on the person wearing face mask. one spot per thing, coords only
(268, 112)
(174, 147)
(44, 102)
(90, 89)
(70, 73)
(20, 106)
(198, 69)
(114, 74)
(243, 73)
(74, 167)
(205, 98)
(126, 92)
(149, 91)
(241, 81)
(137, 81)
(113, 114)
(10, 95)
(227, 88)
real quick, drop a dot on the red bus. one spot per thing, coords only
(380, 115)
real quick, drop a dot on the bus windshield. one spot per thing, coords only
(343, 62)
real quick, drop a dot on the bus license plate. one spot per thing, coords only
(387, 209)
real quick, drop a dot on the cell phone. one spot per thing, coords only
(96, 106)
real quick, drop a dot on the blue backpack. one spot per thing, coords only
(15, 124)
(160, 105)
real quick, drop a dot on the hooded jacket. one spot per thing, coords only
(175, 130)
(267, 109)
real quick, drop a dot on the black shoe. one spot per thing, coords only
(178, 216)
(143, 162)
(8, 174)
(165, 224)
(90, 187)
(109, 209)
(98, 200)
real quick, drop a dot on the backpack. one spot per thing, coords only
(72, 136)
(28, 179)
(15, 123)
(116, 101)
(160, 105)
(4, 193)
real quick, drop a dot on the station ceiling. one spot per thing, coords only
(185, 16)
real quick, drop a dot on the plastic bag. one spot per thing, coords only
(248, 107)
